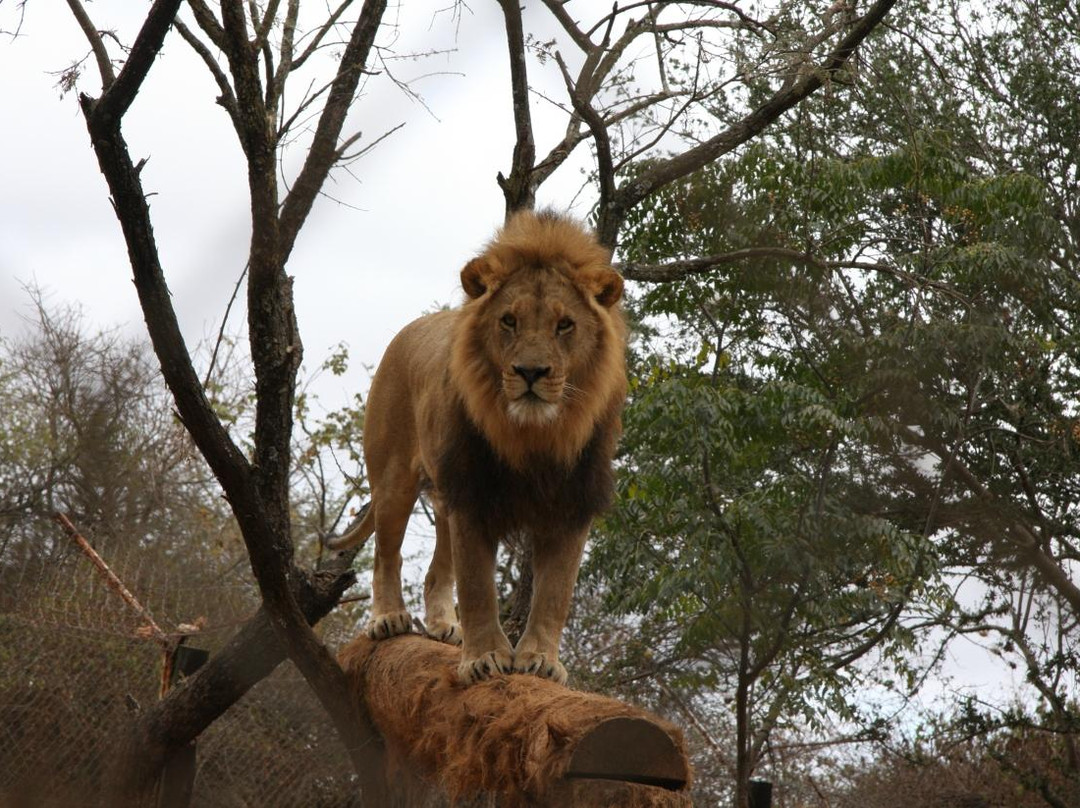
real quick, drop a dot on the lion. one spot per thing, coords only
(506, 412)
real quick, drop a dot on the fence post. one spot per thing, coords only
(178, 775)
(760, 794)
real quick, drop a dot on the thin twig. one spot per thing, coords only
(97, 44)
(113, 580)
(224, 322)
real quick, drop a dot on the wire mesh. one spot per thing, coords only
(76, 663)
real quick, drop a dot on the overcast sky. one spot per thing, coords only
(406, 218)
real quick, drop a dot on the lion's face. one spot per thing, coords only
(538, 358)
(541, 332)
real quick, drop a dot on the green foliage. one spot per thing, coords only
(817, 449)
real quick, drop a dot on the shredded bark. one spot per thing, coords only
(511, 736)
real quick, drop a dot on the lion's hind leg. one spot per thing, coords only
(389, 616)
(440, 616)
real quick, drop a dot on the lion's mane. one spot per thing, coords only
(547, 240)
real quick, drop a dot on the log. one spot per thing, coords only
(517, 740)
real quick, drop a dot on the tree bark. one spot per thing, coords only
(517, 739)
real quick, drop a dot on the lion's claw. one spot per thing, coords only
(530, 662)
(471, 671)
(384, 626)
(449, 633)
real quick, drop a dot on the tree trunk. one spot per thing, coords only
(517, 740)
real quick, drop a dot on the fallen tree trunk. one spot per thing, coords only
(517, 740)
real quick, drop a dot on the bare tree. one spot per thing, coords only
(252, 83)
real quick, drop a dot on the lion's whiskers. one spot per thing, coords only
(573, 393)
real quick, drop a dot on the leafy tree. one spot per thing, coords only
(733, 545)
(87, 430)
(856, 362)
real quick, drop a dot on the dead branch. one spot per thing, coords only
(113, 581)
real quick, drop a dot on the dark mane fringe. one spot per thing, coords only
(499, 500)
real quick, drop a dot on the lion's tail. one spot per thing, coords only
(358, 534)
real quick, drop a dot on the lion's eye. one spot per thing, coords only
(564, 326)
(509, 321)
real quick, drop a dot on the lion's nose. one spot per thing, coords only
(531, 374)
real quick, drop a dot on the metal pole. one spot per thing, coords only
(178, 775)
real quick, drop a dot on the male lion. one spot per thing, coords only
(506, 412)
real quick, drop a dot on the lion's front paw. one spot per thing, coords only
(471, 671)
(449, 633)
(382, 626)
(542, 665)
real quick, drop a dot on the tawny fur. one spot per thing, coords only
(507, 409)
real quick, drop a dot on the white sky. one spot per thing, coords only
(413, 212)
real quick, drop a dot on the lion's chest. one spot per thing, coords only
(500, 500)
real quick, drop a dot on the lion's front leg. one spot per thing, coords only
(485, 650)
(555, 569)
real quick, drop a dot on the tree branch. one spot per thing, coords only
(209, 24)
(667, 171)
(316, 41)
(97, 45)
(604, 162)
(225, 459)
(1022, 536)
(519, 189)
(285, 63)
(683, 268)
(226, 99)
(677, 270)
(324, 146)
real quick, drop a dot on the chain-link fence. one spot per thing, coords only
(76, 664)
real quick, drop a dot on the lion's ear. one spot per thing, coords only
(608, 288)
(478, 276)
